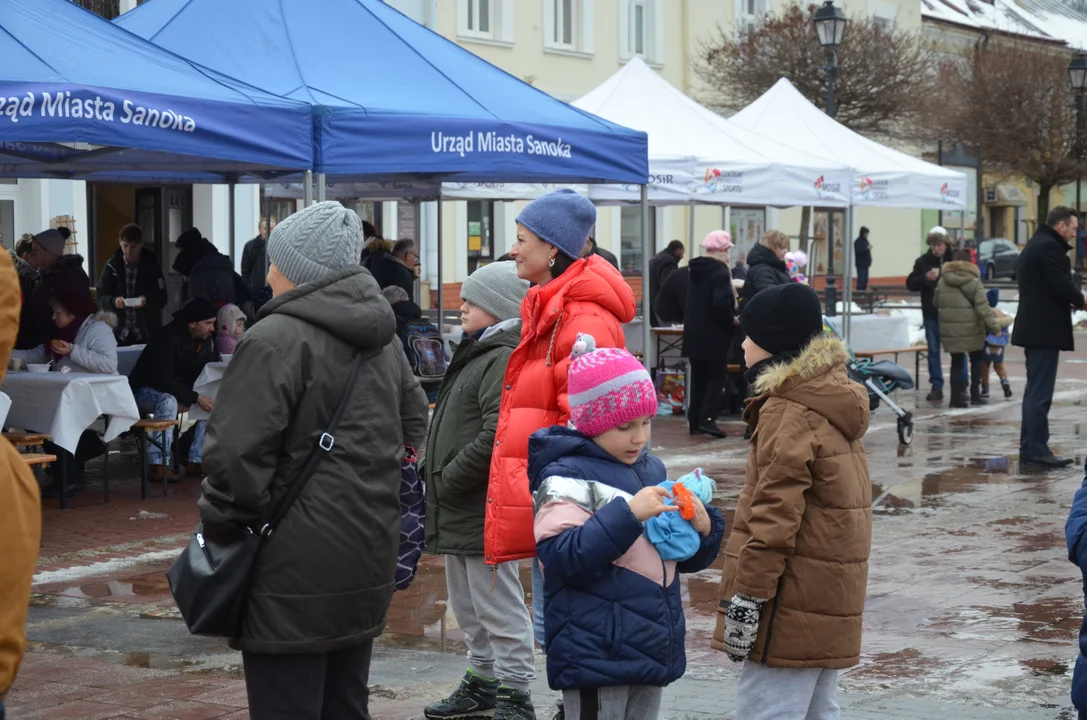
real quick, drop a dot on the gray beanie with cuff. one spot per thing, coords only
(496, 289)
(316, 242)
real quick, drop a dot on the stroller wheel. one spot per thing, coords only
(905, 429)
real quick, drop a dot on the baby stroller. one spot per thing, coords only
(880, 379)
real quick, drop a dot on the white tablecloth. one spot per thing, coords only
(64, 405)
(877, 332)
(127, 357)
(5, 404)
(207, 385)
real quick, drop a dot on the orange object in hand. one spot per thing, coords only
(684, 500)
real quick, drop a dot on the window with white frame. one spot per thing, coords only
(641, 30)
(568, 26)
(749, 13)
(488, 20)
(882, 14)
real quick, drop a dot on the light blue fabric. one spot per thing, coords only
(674, 537)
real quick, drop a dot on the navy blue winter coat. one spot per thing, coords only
(612, 608)
(1077, 553)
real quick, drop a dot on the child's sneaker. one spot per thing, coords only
(477, 696)
(985, 391)
(1007, 389)
(514, 705)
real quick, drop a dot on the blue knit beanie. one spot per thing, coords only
(562, 218)
(993, 296)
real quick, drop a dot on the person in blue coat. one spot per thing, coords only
(613, 615)
(1074, 531)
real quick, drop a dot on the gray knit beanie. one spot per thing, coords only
(496, 289)
(316, 242)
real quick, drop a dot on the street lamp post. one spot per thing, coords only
(1077, 76)
(830, 24)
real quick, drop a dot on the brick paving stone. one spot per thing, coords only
(146, 694)
(232, 695)
(78, 710)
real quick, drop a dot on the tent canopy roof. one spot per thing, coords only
(390, 93)
(783, 112)
(234, 126)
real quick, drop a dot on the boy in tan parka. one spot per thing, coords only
(796, 565)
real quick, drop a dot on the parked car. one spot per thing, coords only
(998, 256)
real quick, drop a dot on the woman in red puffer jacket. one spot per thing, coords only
(571, 295)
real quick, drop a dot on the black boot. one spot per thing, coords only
(935, 395)
(959, 397)
(1007, 389)
(976, 397)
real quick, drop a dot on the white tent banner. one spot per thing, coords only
(882, 176)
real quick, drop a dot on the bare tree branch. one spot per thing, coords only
(884, 73)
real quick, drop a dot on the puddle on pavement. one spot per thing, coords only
(931, 490)
(141, 660)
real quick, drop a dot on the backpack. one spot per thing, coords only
(412, 517)
(425, 349)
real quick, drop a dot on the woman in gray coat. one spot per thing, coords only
(324, 579)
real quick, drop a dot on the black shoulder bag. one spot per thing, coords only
(210, 580)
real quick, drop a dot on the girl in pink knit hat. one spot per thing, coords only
(613, 611)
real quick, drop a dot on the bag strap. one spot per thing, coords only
(323, 447)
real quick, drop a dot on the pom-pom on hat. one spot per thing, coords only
(717, 241)
(607, 388)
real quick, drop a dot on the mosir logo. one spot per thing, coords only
(826, 189)
(729, 181)
(948, 195)
(870, 189)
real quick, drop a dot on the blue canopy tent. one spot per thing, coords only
(392, 98)
(81, 98)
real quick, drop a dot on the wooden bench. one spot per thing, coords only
(918, 351)
(38, 459)
(22, 440)
(146, 429)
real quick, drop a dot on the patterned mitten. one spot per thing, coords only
(741, 626)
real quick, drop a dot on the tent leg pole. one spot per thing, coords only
(690, 228)
(647, 325)
(307, 189)
(231, 211)
(441, 308)
(417, 236)
(847, 274)
(320, 187)
(268, 225)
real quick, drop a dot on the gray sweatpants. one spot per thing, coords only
(496, 623)
(767, 693)
(625, 702)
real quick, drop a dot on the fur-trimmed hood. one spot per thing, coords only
(26, 271)
(959, 272)
(817, 379)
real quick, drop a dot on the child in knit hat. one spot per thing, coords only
(796, 563)
(994, 347)
(614, 616)
(229, 327)
(488, 601)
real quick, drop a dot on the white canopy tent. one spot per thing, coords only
(695, 155)
(882, 176)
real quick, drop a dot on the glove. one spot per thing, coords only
(741, 626)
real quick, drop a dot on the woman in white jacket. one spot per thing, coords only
(82, 340)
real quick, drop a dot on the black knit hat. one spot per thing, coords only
(783, 318)
(197, 310)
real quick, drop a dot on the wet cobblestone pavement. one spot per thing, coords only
(973, 609)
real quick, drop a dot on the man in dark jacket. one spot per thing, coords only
(488, 601)
(591, 248)
(862, 251)
(206, 272)
(1043, 327)
(396, 268)
(322, 584)
(671, 301)
(923, 279)
(661, 266)
(55, 270)
(133, 274)
(163, 378)
(708, 326)
(254, 259)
